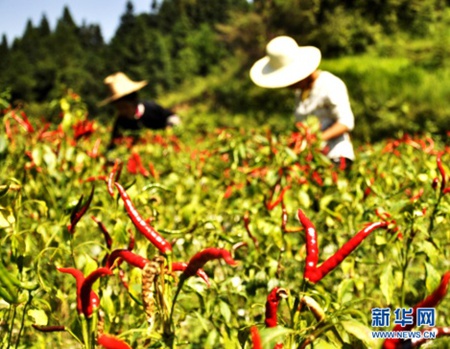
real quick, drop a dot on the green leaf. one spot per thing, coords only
(345, 291)
(271, 336)
(3, 190)
(380, 240)
(3, 144)
(433, 278)
(39, 316)
(107, 305)
(358, 330)
(6, 218)
(304, 199)
(428, 248)
(387, 284)
(225, 311)
(321, 344)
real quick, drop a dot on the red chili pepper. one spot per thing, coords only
(49, 328)
(105, 232)
(23, 122)
(417, 196)
(200, 259)
(79, 211)
(392, 223)
(256, 338)
(435, 182)
(313, 273)
(135, 164)
(317, 178)
(181, 266)
(442, 172)
(8, 130)
(111, 176)
(273, 299)
(79, 278)
(83, 128)
(312, 251)
(127, 256)
(153, 171)
(228, 191)
(272, 205)
(246, 219)
(94, 153)
(332, 262)
(111, 342)
(96, 178)
(144, 228)
(122, 279)
(342, 163)
(430, 302)
(89, 300)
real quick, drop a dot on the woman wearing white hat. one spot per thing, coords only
(132, 113)
(319, 93)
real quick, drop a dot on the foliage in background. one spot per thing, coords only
(390, 53)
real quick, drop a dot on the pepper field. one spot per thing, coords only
(259, 217)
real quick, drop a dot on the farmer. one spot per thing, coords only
(318, 93)
(134, 114)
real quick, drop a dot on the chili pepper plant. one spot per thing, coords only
(225, 238)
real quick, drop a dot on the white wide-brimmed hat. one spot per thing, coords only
(285, 63)
(119, 86)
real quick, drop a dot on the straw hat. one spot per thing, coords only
(285, 63)
(120, 85)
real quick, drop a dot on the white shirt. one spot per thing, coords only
(328, 100)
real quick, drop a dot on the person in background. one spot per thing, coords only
(134, 114)
(318, 93)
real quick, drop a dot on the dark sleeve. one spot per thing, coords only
(114, 134)
(155, 116)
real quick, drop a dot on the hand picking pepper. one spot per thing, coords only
(144, 228)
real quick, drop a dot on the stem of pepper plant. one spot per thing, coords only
(12, 326)
(177, 292)
(93, 327)
(4, 339)
(22, 323)
(294, 310)
(408, 243)
(74, 336)
(433, 217)
(318, 331)
(71, 250)
(85, 331)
